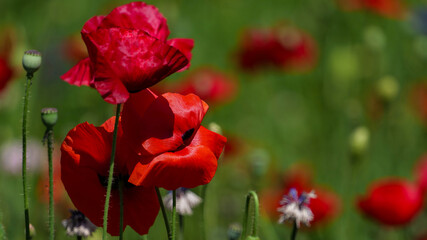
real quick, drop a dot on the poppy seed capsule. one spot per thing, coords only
(31, 61)
(49, 117)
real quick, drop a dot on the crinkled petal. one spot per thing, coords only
(112, 90)
(168, 123)
(138, 15)
(184, 45)
(192, 166)
(134, 57)
(80, 74)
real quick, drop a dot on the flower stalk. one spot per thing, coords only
(202, 220)
(173, 214)
(165, 216)
(121, 184)
(110, 173)
(255, 215)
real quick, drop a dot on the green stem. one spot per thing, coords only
(294, 231)
(202, 220)
(121, 183)
(181, 227)
(173, 214)
(254, 196)
(144, 237)
(165, 216)
(110, 174)
(24, 156)
(79, 238)
(51, 208)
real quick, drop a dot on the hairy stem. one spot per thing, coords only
(165, 216)
(110, 174)
(24, 156)
(51, 208)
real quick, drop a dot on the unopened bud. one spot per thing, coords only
(387, 88)
(252, 238)
(32, 230)
(31, 61)
(49, 117)
(359, 140)
(214, 127)
(259, 160)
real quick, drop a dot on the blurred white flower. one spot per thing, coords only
(186, 200)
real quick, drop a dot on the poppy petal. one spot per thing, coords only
(138, 15)
(184, 45)
(80, 74)
(143, 60)
(112, 90)
(189, 167)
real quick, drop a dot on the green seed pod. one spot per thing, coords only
(49, 117)
(252, 238)
(359, 140)
(388, 88)
(214, 127)
(31, 61)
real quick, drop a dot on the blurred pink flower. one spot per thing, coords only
(11, 156)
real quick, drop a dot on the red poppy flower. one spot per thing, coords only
(74, 49)
(392, 202)
(210, 85)
(418, 98)
(5, 73)
(128, 52)
(84, 170)
(325, 206)
(421, 173)
(388, 8)
(284, 47)
(176, 151)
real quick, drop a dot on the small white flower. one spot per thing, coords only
(78, 225)
(186, 200)
(294, 208)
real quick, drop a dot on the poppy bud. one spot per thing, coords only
(49, 117)
(214, 127)
(387, 88)
(359, 140)
(31, 61)
(32, 231)
(252, 238)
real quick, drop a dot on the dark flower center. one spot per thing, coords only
(116, 181)
(187, 134)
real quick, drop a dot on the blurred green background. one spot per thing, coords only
(293, 117)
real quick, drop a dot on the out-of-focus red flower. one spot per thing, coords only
(176, 151)
(391, 202)
(418, 98)
(74, 48)
(210, 85)
(421, 174)
(6, 73)
(128, 52)
(85, 158)
(388, 8)
(284, 47)
(325, 206)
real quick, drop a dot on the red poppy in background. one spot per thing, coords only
(421, 174)
(6, 73)
(74, 49)
(391, 202)
(7, 41)
(85, 162)
(325, 206)
(418, 98)
(284, 47)
(176, 151)
(388, 8)
(128, 52)
(210, 85)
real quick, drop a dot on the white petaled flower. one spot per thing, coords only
(186, 200)
(295, 208)
(78, 225)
